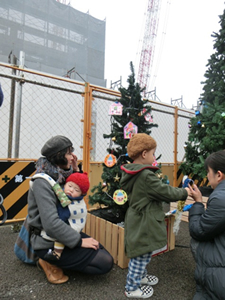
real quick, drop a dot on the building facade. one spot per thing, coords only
(55, 37)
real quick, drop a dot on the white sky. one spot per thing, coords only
(182, 47)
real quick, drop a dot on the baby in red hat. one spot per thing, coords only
(74, 214)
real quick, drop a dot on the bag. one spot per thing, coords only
(22, 247)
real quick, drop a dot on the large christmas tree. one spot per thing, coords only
(207, 128)
(135, 112)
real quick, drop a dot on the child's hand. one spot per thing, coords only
(195, 193)
(189, 191)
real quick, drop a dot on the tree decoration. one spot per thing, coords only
(178, 215)
(204, 140)
(129, 130)
(116, 108)
(131, 100)
(147, 116)
(116, 178)
(110, 160)
(120, 197)
(155, 164)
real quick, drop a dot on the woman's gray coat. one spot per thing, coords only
(207, 228)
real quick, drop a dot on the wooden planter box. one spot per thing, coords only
(111, 236)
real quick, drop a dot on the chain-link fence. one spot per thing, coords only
(168, 143)
(37, 106)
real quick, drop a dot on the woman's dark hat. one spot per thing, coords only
(55, 144)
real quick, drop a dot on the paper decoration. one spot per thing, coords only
(148, 116)
(110, 160)
(154, 164)
(120, 197)
(116, 108)
(129, 130)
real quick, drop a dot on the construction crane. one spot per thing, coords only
(66, 2)
(148, 44)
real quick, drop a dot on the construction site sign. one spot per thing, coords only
(14, 186)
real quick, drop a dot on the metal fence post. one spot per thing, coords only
(11, 112)
(175, 168)
(87, 132)
(87, 128)
(19, 106)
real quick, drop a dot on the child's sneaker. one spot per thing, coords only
(149, 280)
(143, 292)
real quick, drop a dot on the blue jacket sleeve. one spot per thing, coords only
(1, 96)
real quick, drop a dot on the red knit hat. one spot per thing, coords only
(81, 179)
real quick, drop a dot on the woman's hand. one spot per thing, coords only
(74, 163)
(195, 193)
(90, 243)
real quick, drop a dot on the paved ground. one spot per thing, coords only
(18, 281)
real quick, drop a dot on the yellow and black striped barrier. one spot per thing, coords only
(14, 186)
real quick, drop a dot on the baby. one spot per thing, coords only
(74, 214)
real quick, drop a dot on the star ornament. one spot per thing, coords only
(116, 178)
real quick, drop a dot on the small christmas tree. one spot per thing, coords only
(136, 115)
(207, 128)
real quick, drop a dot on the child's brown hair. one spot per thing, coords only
(138, 143)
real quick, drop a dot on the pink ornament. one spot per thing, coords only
(148, 116)
(129, 130)
(116, 108)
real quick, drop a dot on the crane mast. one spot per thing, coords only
(148, 43)
(66, 2)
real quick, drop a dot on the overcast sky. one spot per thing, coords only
(183, 43)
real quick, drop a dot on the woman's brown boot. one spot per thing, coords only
(53, 273)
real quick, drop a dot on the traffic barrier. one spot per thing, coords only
(14, 185)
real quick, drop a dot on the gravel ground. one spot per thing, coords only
(175, 270)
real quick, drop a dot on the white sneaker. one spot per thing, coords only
(149, 280)
(143, 292)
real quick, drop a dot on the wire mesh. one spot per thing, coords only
(101, 125)
(49, 106)
(55, 105)
(164, 134)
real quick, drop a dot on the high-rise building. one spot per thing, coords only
(55, 37)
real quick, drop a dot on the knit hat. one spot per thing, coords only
(138, 143)
(81, 179)
(54, 145)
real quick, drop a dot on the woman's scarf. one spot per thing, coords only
(58, 174)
